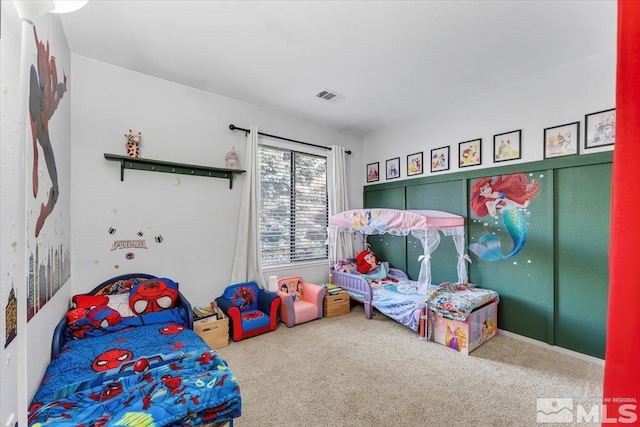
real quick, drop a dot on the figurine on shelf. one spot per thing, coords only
(231, 159)
(133, 143)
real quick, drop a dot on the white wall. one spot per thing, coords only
(10, 174)
(196, 216)
(560, 96)
(25, 358)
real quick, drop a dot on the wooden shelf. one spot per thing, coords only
(138, 163)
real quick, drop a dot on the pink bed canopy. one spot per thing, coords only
(424, 225)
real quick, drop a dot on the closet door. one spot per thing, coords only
(582, 248)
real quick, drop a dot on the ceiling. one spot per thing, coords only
(393, 61)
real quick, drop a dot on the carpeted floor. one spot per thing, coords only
(350, 371)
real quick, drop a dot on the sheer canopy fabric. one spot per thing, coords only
(424, 225)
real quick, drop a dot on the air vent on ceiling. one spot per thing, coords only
(330, 96)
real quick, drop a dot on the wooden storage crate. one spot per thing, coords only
(336, 305)
(215, 332)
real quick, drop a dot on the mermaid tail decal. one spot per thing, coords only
(489, 246)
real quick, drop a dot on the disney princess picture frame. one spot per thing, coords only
(393, 168)
(600, 129)
(373, 173)
(414, 164)
(469, 153)
(506, 146)
(440, 159)
(562, 140)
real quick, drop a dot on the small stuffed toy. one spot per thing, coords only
(133, 143)
(231, 159)
(366, 261)
(345, 266)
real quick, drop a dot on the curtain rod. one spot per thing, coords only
(234, 127)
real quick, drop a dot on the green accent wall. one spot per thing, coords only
(581, 255)
(555, 289)
(394, 248)
(436, 194)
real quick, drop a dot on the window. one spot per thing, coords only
(293, 206)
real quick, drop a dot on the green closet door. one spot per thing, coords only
(524, 281)
(446, 196)
(582, 250)
(388, 248)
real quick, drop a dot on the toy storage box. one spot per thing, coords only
(465, 337)
(214, 331)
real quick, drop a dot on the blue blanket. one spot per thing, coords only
(402, 299)
(155, 375)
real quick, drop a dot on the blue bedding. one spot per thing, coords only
(159, 374)
(402, 300)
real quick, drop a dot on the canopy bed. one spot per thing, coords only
(448, 306)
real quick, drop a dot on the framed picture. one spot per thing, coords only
(393, 168)
(506, 146)
(600, 129)
(440, 159)
(561, 140)
(414, 164)
(373, 174)
(469, 153)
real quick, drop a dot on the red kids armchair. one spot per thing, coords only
(251, 310)
(299, 301)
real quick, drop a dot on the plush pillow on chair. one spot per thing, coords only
(294, 288)
(244, 296)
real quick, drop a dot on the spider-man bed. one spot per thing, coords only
(127, 354)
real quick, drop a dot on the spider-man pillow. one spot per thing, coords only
(119, 302)
(153, 295)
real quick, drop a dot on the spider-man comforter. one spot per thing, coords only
(155, 375)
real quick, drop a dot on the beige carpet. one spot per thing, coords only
(350, 371)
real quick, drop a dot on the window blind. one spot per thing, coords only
(293, 206)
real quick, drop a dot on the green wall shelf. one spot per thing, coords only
(127, 162)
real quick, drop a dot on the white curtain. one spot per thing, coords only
(340, 244)
(247, 262)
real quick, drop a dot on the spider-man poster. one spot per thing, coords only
(48, 169)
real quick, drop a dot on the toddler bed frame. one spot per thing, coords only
(358, 285)
(108, 287)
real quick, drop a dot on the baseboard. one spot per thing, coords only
(562, 350)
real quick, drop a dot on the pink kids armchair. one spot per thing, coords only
(299, 301)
